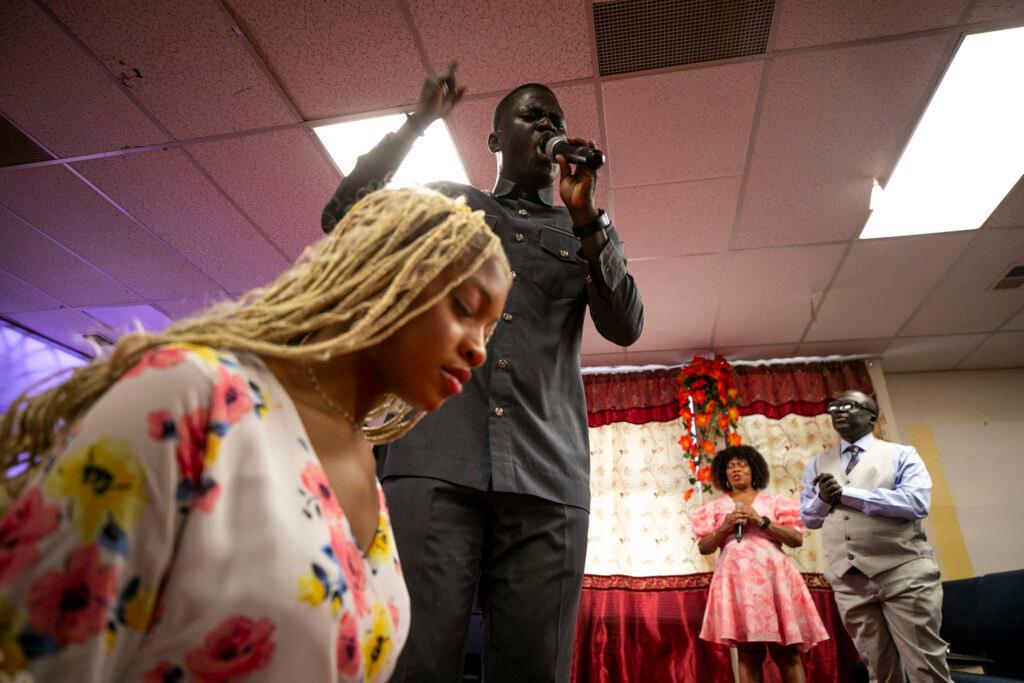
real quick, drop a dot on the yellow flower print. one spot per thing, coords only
(109, 638)
(204, 352)
(12, 657)
(380, 549)
(377, 645)
(312, 590)
(138, 611)
(335, 605)
(104, 481)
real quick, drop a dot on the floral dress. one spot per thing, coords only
(756, 593)
(187, 531)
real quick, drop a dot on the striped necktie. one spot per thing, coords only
(854, 452)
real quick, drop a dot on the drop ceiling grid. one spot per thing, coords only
(87, 113)
(963, 300)
(100, 233)
(197, 77)
(36, 258)
(831, 121)
(880, 283)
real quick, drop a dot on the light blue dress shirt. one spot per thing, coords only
(909, 498)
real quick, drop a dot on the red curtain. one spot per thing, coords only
(769, 390)
(638, 630)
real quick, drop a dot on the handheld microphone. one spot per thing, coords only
(553, 145)
(739, 527)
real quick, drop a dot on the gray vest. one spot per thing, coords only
(851, 538)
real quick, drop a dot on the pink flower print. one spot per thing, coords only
(164, 357)
(236, 648)
(231, 399)
(315, 481)
(161, 425)
(351, 561)
(27, 521)
(393, 608)
(164, 672)
(196, 449)
(72, 605)
(347, 646)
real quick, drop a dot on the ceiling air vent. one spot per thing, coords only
(17, 148)
(1012, 280)
(635, 35)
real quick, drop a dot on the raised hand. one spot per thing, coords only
(439, 95)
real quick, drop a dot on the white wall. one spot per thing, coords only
(977, 420)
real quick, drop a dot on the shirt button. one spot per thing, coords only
(523, 212)
(523, 195)
(846, 517)
(588, 279)
(502, 363)
(849, 556)
(563, 253)
(507, 317)
(847, 538)
(520, 237)
(513, 275)
(499, 411)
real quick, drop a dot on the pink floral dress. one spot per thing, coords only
(187, 532)
(756, 593)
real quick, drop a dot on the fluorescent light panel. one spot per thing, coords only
(968, 150)
(432, 158)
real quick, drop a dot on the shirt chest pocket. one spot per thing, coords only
(557, 269)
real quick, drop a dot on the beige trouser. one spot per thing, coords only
(894, 618)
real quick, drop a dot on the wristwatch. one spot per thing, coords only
(600, 223)
(765, 522)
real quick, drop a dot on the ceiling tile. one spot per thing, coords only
(963, 300)
(181, 308)
(881, 282)
(61, 205)
(757, 352)
(64, 326)
(831, 121)
(499, 46)
(293, 36)
(812, 22)
(755, 314)
(281, 180)
(128, 318)
(1010, 212)
(183, 61)
(167, 193)
(681, 125)
(31, 256)
(1016, 322)
(988, 10)
(845, 347)
(928, 354)
(680, 298)
(17, 295)
(57, 92)
(676, 219)
(667, 357)
(1001, 350)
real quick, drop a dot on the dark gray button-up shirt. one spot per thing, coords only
(520, 424)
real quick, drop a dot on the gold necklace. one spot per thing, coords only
(330, 402)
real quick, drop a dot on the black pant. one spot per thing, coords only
(527, 554)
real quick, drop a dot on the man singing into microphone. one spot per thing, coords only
(869, 496)
(491, 493)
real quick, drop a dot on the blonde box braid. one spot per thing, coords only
(362, 281)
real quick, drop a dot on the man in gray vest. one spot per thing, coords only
(870, 499)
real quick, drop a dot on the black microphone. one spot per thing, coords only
(553, 145)
(739, 527)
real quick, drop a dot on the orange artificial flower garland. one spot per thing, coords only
(709, 387)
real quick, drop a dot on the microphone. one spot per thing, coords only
(739, 527)
(553, 145)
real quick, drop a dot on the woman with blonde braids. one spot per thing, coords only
(202, 504)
